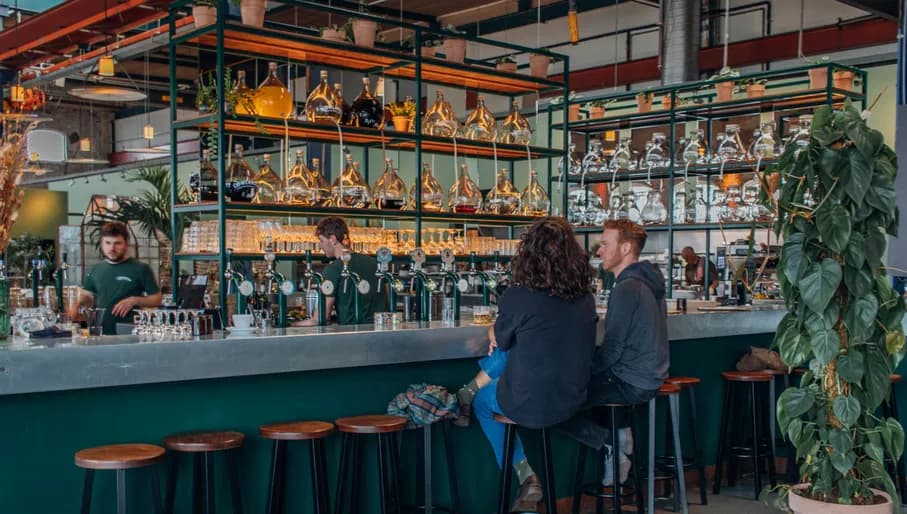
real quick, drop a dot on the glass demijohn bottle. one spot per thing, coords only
(534, 198)
(390, 190)
(350, 189)
(241, 187)
(464, 195)
(321, 189)
(515, 128)
(440, 119)
(346, 117)
(204, 183)
(272, 98)
(504, 198)
(267, 181)
(323, 105)
(480, 125)
(243, 95)
(432, 193)
(297, 191)
(367, 110)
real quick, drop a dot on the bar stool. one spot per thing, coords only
(507, 472)
(425, 459)
(119, 457)
(353, 430)
(672, 393)
(688, 385)
(890, 410)
(203, 446)
(729, 414)
(614, 412)
(282, 434)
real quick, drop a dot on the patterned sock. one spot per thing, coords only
(468, 392)
(523, 470)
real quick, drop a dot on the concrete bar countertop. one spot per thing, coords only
(111, 361)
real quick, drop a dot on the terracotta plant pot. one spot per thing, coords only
(724, 91)
(506, 66)
(755, 90)
(573, 112)
(427, 51)
(667, 102)
(538, 65)
(253, 12)
(802, 505)
(333, 35)
(402, 123)
(364, 32)
(818, 78)
(596, 112)
(843, 80)
(644, 102)
(204, 15)
(455, 50)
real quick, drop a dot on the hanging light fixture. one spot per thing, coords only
(572, 22)
(85, 143)
(148, 129)
(105, 63)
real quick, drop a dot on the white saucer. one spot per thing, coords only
(243, 330)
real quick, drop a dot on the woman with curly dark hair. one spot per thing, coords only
(541, 346)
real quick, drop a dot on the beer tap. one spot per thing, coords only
(277, 284)
(60, 275)
(488, 283)
(237, 284)
(500, 271)
(322, 287)
(394, 286)
(362, 286)
(421, 284)
(37, 268)
(448, 272)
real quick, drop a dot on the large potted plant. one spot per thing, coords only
(834, 209)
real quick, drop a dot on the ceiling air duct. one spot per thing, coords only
(680, 48)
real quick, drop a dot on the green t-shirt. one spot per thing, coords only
(364, 266)
(110, 283)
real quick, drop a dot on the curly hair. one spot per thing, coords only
(334, 226)
(550, 259)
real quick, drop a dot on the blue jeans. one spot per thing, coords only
(485, 406)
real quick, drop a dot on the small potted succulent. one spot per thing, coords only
(402, 114)
(364, 30)
(538, 65)
(644, 101)
(668, 101)
(818, 77)
(335, 33)
(843, 79)
(597, 109)
(252, 11)
(506, 64)
(454, 47)
(724, 90)
(204, 12)
(755, 88)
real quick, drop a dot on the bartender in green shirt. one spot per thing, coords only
(334, 239)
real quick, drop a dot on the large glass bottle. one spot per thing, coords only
(323, 105)
(350, 189)
(318, 185)
(432, 193)
(730, 148)
(464, 195)
(800, 138)
(204, 183)
(480, 125)
(624, 158)
(534, 198)
(594, 161)
(268, 182)
(367, 110)
(240, 186)
(390, 190)
(243, 95)
(694, 150)
(440, 120)
(763, 146)
(515, 128)
(272, 98)
(503, 198)
(654, 212)
(575, 166)
(297, 190)
(346, 117)
(657, 155)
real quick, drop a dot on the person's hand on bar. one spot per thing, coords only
(492, 342)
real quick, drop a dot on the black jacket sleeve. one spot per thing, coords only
(621, 310)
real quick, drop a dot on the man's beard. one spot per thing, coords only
(118, 258)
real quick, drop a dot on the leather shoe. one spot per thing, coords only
(462, 420)
(529, 496)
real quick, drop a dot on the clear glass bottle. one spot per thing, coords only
(204, 183)
(244, 96)
(624, 158)
(657, 155)
(440, 120)
(730, 148)
(321, 189)
(268, 182)
(346, 118)
(629, 210)
(480, 125)
(800, 139)
(534, 198)
(694, 150)
(764, 146)
(323, 105)
(272, 98)
(575, 166)
(297, 190)
(367, 110)
(718, 205)
(752, 191)
(240, 186)
(390, 190)
(503, 198)
(593, 161)
(700, 209)
(464, 195)
(515, 128)
(679, 214)
(350, 189)
(432, 193)
(654, 212)
(736, 209)
(616, 206)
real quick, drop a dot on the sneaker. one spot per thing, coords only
(624, 462)
(462, 420)
(625, 440)
(529, 496)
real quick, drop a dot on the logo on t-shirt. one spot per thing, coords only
(124, 279)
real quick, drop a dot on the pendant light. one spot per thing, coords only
(106, 62)
(148, 129)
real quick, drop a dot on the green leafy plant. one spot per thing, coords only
(405, 108)
(601, 102)
(205, 3)
(835, 206)
(505, 60)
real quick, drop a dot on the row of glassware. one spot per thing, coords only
(307, 187)
(691, 151)
(325, 104)
(249, 237)
(641, 203)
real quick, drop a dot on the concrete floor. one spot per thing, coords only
(732, 500)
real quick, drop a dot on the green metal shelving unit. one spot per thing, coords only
(296, 45)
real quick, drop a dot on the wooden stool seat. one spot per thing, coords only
(798, 371)
(667, 389)
(204, 441)
(895, 378)
(775, 372)
(371, 424)
(119, 456)
(683, 382)
(746, 376)
(296, 430)
(500, 418)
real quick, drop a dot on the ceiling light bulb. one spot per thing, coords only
(85, 144)
(148, 132)
(105, 66)
(610, 135)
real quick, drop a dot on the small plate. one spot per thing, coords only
(244, 330)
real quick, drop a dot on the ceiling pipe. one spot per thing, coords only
(681, 26)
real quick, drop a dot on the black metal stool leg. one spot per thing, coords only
(121, 491)
(170, 494)
(86, 491)
(615, 460)
(276, 483)
(427, 470)
(637, 475)
(209, 483)
(318, 479)
(550, 494)
(757, 476)
(722, 439)
(670, 456)
(578, 481)
(395, 474)
(355, 482)
(697, 454)
(451, 467)
(340, 499)
(771, 447)
(681, 490)
(157, 506)
(233, 478)
(382, 470)
(198, 483)
(506, 465)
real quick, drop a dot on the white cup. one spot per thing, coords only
(242, 320)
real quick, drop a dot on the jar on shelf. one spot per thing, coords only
(440, 120)
(350, 189)
(698, 211)
(764, 145)
(515, 128)
(736, 209)
(575, 166)
(730, 148)
(204, 183)
(240, 186)
(297, 190)
(503, 198)
(432, 193)
(534, 198)
(390, 190)
(367, 110)
(346, 116)
(272, 98)
(594, 161)
(318, 185)
(657, 155)
(654, 212)
(718, 206)
(679, 212)
(629, 209)
(464, 195)
(268, 183)
(480, 125)
(694, 150)
(624, 158)
(800, 139)
(323, 105)
(243, 95)
(752, 192)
